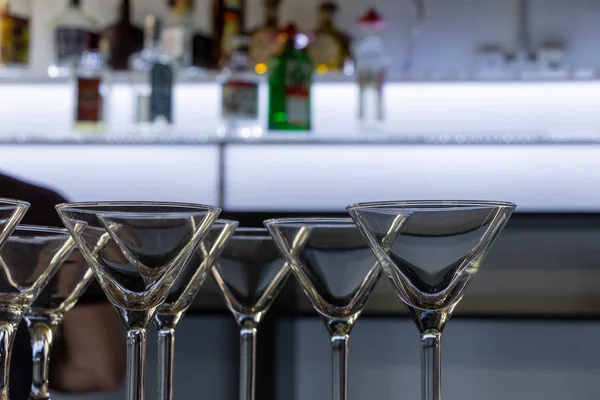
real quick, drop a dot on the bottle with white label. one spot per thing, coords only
(290, 81)
(153, 77)
(240, 88)
(372, 65)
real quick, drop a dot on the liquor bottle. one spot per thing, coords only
(91, 91)
(73, 31)
(228, 22)
(240, 104)
(122, 39)
(290, 82)
(372, 64)
(330, 50)
(14, 37)
(153, 77)
(176, 39)
(264, 41)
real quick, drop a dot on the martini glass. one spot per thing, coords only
(28, 260)
(137, 250)
(430, 261)
(250, 273)
(181, 296)
(336, 269)
(47, 312)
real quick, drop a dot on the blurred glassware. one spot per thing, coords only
(122, 39)
(15, 37)
(240, 104)
(74, 33)
(372, 63)
(153, 77)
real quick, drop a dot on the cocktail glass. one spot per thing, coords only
(181, 296)
(29, 259)
(250, 273)
(47, 312)
(336, 269)
(137, 250)
(430, 261)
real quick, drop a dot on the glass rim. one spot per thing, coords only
(6, 202)
(439, 204)
(42, 229)
(312, 222)
(88, 207)
(247, 233)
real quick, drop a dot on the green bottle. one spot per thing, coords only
(290, 82)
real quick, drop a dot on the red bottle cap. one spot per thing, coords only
(290, 31)
(371, 19)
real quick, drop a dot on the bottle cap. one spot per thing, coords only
(272, 3)
(372, 20)
(181, 5)
(290, 31)
(328, 7)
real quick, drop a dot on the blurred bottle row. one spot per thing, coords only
(157, 57)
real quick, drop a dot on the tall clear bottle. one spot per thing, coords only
(91, 89)
(240, 88)
(372, 65)
(74, 30)
(176, 38)
(153, 77)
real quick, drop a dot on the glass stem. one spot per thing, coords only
(431, 368)
(166, 354)
(41, 343)
(247, 362)
(339, 348)
(136, 368)
(7, 338)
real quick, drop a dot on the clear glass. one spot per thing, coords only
(430, 259)
(91, 90)
(181, 296)
(29, 259)
(250, 273)
(371, 66)
(337, 271)
(47, 312)
(152, 74)
(74, 33)
(241, 97)
(137, 250)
